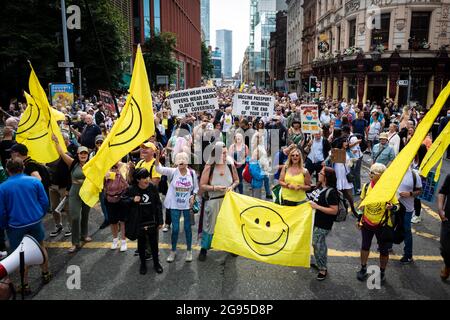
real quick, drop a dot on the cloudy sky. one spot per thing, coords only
(232, 15)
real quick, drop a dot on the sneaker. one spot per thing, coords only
(104, 225)
(123, 246)
(166, 228)
(416, 219)
(158, 268)
(202, 255)
(321, 276)
(362, 274)
(406, 260)
(68, 233)
(143, 269)
(3, 254)
(56, 232)
(445, 273)
(189, 256)
(171, 257)
(115, 244)
(46, 277)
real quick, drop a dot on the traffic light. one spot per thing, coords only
(319, 86)
(312, 84)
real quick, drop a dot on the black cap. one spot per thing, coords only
(19, 148)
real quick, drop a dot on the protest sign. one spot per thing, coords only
(107, 99)
(310, 118)
(293, 96)
(194, 100)
(253, 105)
(61, 94)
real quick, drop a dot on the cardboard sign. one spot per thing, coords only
(293, 96)
(310, 118)
(253, 105)
(429, 187)
(194, 100)
(107, 99)
(338, 155)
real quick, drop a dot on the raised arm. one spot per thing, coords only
(66, 158)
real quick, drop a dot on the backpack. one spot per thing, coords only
(43, 172)
(115, 188)
(342, 205)
(246, 173)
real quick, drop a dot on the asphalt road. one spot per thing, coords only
(107, 274)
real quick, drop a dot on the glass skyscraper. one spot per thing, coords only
(224, 41)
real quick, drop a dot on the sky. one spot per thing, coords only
(232, 15)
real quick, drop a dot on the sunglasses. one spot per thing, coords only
(295, 155)
(99, 142)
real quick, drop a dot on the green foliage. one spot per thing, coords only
(32, 30)
(207, 65)
(159, 57)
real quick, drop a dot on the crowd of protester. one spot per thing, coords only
(193, 160)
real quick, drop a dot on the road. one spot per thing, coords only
(107, 274)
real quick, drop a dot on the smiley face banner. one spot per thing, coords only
(264, 231)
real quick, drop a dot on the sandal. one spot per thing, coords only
(46, 277)
(87, 239)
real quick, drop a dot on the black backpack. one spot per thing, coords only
(43, 172)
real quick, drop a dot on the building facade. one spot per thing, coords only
(294, 44)
(181, 17)
(206, 21)
(224, 41)
(216, 58)
(278, 53)
(308, 40)
(367, 46)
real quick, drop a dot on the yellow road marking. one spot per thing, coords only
(133, 245)
(425, 234)
(431, 212)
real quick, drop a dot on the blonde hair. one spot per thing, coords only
(289, 161)
(181, 157)
(378, 168)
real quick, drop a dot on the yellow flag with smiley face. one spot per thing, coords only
(264, 231)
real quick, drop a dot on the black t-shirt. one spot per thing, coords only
(445, 190)
(6, 155)
(322, 220)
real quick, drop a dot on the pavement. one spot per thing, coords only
(106, 274)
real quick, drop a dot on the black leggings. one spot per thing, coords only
(348, 194)
(152, 235)
(417, 207)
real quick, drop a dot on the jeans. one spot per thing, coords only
(320, 247)
(445, 242)
(356, 170)
(103, 206)
(240, 185)
(175, 214)
(267, 185)
(408, 250)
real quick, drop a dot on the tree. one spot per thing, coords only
(207, 65)
(158, 52)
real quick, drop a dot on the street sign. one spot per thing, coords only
(162, 80)
(65, 65)
(402, 83)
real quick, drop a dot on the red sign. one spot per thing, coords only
(107, 99)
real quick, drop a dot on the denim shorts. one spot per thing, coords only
(15, 235)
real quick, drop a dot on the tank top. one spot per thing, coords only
(293, 195)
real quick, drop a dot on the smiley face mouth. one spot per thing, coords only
(262, 243)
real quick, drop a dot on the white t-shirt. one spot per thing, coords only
(227, 122)
(180, 189)
(394, 142)
(356, 150)
(407, 185)
(374, 130)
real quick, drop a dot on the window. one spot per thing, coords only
(338, 38)
(381, 36)
(420, 24)
(352, 33)
(157, 15)
(147, 33)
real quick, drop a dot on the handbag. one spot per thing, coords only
(132, 224)
(387, 232)
(350, 176)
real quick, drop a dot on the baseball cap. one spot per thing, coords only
(149, 145)
(384, 135)
(19, 148)
(99, 138)
(82, 149)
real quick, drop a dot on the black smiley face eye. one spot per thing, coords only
(257, 221)
(268, 224)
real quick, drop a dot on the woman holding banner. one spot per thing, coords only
(218, 177)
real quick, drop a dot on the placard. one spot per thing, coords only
(61, 94)
(194, 100)
(107, 99)
(429, 187)
(293, 96)
(310, 118)
(254, 105)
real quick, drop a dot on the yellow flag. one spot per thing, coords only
(135, 125)
(264, 231)
(59, 116)
(37, 125)
(435, 153)
(389, 182)
(242, 87)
